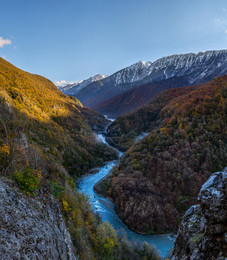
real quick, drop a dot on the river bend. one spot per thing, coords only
(105, 208)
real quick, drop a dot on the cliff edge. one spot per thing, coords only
(203, 230)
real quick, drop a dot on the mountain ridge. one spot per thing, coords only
(194, 68)
(74, 88)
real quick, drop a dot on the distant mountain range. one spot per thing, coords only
(74, 88)
(110, 94)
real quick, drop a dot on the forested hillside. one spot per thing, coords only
(159, 177)
(122, 132)
(45, 144)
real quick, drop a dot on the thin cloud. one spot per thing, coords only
(62, 83)
(224, 9)
(220, 21)
(217, 20)
(4, 42)
(221, 24)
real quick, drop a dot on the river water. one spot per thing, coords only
(105, 208)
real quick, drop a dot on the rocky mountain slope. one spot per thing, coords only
(190, 68)
(74, 88)
(203, 230)
(160, 176)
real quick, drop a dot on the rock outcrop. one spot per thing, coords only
(31, 228)
(203, 231)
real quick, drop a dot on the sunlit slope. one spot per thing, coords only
(49, 118)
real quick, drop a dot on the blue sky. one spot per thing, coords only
(74, 39)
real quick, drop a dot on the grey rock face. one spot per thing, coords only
(203, 230)
(31, 228)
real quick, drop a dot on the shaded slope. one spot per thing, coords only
(137, 97)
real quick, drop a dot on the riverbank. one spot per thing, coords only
(105, 208)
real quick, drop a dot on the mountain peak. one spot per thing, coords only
(74, 88)
(140, 63)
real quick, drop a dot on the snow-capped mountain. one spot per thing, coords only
(74, 88)
(195, 66)
(184, 69)
(133, 73)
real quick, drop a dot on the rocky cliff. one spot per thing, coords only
(31, 228)
(203, 230)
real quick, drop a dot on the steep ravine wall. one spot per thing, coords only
(31, 228)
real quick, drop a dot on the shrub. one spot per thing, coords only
(71, 182)
(107, 239)
(28, 179)
(56, 189)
